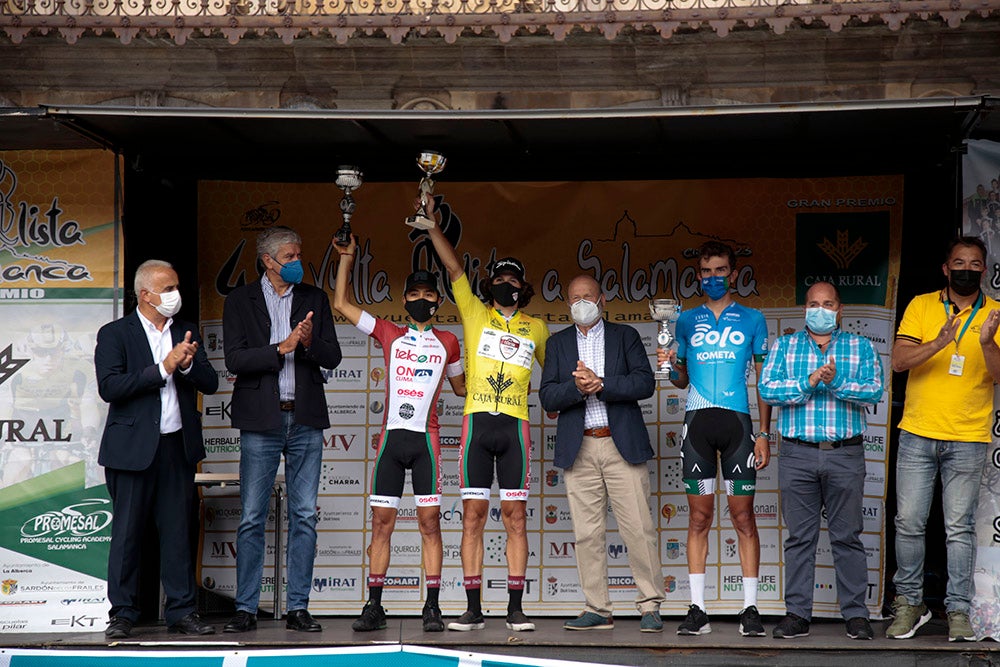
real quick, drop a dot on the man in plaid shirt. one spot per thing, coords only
(822, 378)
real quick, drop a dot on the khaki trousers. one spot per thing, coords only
(600, 475)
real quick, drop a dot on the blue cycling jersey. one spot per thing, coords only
(718, 354)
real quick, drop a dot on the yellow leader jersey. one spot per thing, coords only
(498, 354)
(939, 404)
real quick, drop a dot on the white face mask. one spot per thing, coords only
(585, 312)
(170, 303)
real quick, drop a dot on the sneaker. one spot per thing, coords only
(791, 626)
(908, 620)
(372, 618)
(651, 622)
(588, 620)
(432, 618)
(959, 628)
(750, 625)
(468, 621)
(518, 622)
(859, 628)
(695, 623)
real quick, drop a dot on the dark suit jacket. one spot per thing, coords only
(628, 378)
(129, 379)
(254, 359)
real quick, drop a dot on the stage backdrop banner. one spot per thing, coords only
(58, 284)
(981, 195)
(638, 239)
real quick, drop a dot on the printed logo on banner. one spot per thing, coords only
(616, 551)
(874, 444)
(551, 477)
(217, 410)
(8, 364)
(261, 217)
(327, 584)
(32, 229)
(673, 474)
(81, 621)
(342, 477)
(221, 445)
(214, 347)
(560, 550)
(850, 250)
(8, 586)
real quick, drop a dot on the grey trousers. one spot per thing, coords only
(810, 479)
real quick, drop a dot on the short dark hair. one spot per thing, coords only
(523, 299)
(717, 249)
(968, 242)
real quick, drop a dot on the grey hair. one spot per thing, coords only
(269, 240)
(146, 270)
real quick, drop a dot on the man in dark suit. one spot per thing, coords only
(150, 368)
(595, 373)
(278, 333)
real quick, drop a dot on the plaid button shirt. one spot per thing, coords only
(834, 411)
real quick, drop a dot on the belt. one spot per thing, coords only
(828, 444)
(286, 406)
(600, 432)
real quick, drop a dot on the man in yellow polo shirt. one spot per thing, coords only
(948, 342)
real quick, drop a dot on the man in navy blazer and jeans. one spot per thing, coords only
(277, 334)
(594, 376)
(150, 368)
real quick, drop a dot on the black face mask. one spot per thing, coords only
(505, 294)
(420, 310)
(964, 282)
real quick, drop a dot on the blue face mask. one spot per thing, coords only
(715, 287)
(292, 272)
(820, 320)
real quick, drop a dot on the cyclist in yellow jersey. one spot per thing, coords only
(501, 344)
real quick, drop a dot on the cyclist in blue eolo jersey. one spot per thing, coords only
(716, 343)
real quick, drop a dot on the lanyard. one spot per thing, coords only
(975, 309)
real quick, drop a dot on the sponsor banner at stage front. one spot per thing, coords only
(638, 239)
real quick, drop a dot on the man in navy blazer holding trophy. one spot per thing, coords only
(595, 374)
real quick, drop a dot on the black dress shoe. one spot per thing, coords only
(118, 628)
(243, 621)
(192, 625)
(301, 621)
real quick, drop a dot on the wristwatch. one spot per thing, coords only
(762, 434)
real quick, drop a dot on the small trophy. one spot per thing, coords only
(349, 179)
(430, 162)
(664, 311)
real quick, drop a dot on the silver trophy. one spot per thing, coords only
(430, 162)
(666, 312)
(349, 179)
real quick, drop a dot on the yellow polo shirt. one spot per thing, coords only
(940, 405)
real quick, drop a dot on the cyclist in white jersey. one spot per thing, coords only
(417, 358)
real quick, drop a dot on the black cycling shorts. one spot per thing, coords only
(402, 450)
(714, 434)
(494, 441)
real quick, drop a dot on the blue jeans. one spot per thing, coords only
(260, 453)
(961, 467)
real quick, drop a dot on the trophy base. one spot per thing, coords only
(420, 221)
(665, 375)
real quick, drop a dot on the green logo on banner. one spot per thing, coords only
(55, 519)
(850, 250)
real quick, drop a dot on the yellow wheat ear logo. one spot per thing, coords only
(843, 252)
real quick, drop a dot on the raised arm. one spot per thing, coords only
(341, 292)
(443, 247)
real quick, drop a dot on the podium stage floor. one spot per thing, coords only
(826, 646)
